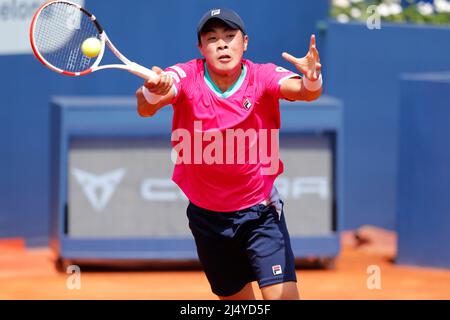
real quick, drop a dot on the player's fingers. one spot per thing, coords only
(169, 82)
(166, 84)
(168, 79)
(164, 91)
(157, 70)
(315, 52)
(289, 57)
(312, 75)
(312, 43)
(318, 67)
(162, 85)
(153, 83)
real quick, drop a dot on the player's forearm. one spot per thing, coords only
(295, 90)
(146, 109)
(156, 93)
(309, 94)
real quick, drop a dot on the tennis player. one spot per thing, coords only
(235, 213)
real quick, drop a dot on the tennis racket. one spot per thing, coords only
(57, 32)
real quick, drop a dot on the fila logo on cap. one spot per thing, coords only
(215, 12)
(246, 104)
(277, 270)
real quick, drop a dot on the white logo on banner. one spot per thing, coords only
(15, 20)
(158, 189)
(297, 187)
(106, 184)
(163, 189)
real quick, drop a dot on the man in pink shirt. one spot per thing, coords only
(225, 139)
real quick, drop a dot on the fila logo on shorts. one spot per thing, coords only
(276, 270)
(215, 12)
(247, 104)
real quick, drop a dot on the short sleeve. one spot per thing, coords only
(182, 74)
(272, 76)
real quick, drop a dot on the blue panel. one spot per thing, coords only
(322, 115)
(138, 249)
(424, 171)
(316, 246)
(176, 249)
(75, 117)
(363, 67)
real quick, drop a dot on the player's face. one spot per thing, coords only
(223, 48)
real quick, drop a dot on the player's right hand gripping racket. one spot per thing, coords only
(57, 32)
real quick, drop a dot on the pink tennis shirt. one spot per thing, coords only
(227, 142)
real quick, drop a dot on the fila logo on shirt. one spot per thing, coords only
(247, 103)
(276, 270)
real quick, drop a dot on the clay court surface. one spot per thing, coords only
(30, 274)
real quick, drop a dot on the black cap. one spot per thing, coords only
(228, 16)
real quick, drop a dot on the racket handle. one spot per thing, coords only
(141, 71)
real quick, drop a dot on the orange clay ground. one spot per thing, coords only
(30, 274)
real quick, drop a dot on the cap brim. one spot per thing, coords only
(227, 22)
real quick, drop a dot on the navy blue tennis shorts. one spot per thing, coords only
(239, 247)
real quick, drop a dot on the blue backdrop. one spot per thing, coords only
(151, 33)
(424, 172)
(363, 69)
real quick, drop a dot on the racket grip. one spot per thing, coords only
(141, 71)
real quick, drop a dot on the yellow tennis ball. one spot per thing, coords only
(91, 47)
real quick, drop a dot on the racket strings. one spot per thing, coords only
(59, 32)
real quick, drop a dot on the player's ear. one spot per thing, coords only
(199, 46)
(245, 42)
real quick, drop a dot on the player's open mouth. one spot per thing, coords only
(225, 58)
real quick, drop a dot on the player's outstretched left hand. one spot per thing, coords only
(309, 65)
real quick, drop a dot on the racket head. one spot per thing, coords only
(57, 32)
